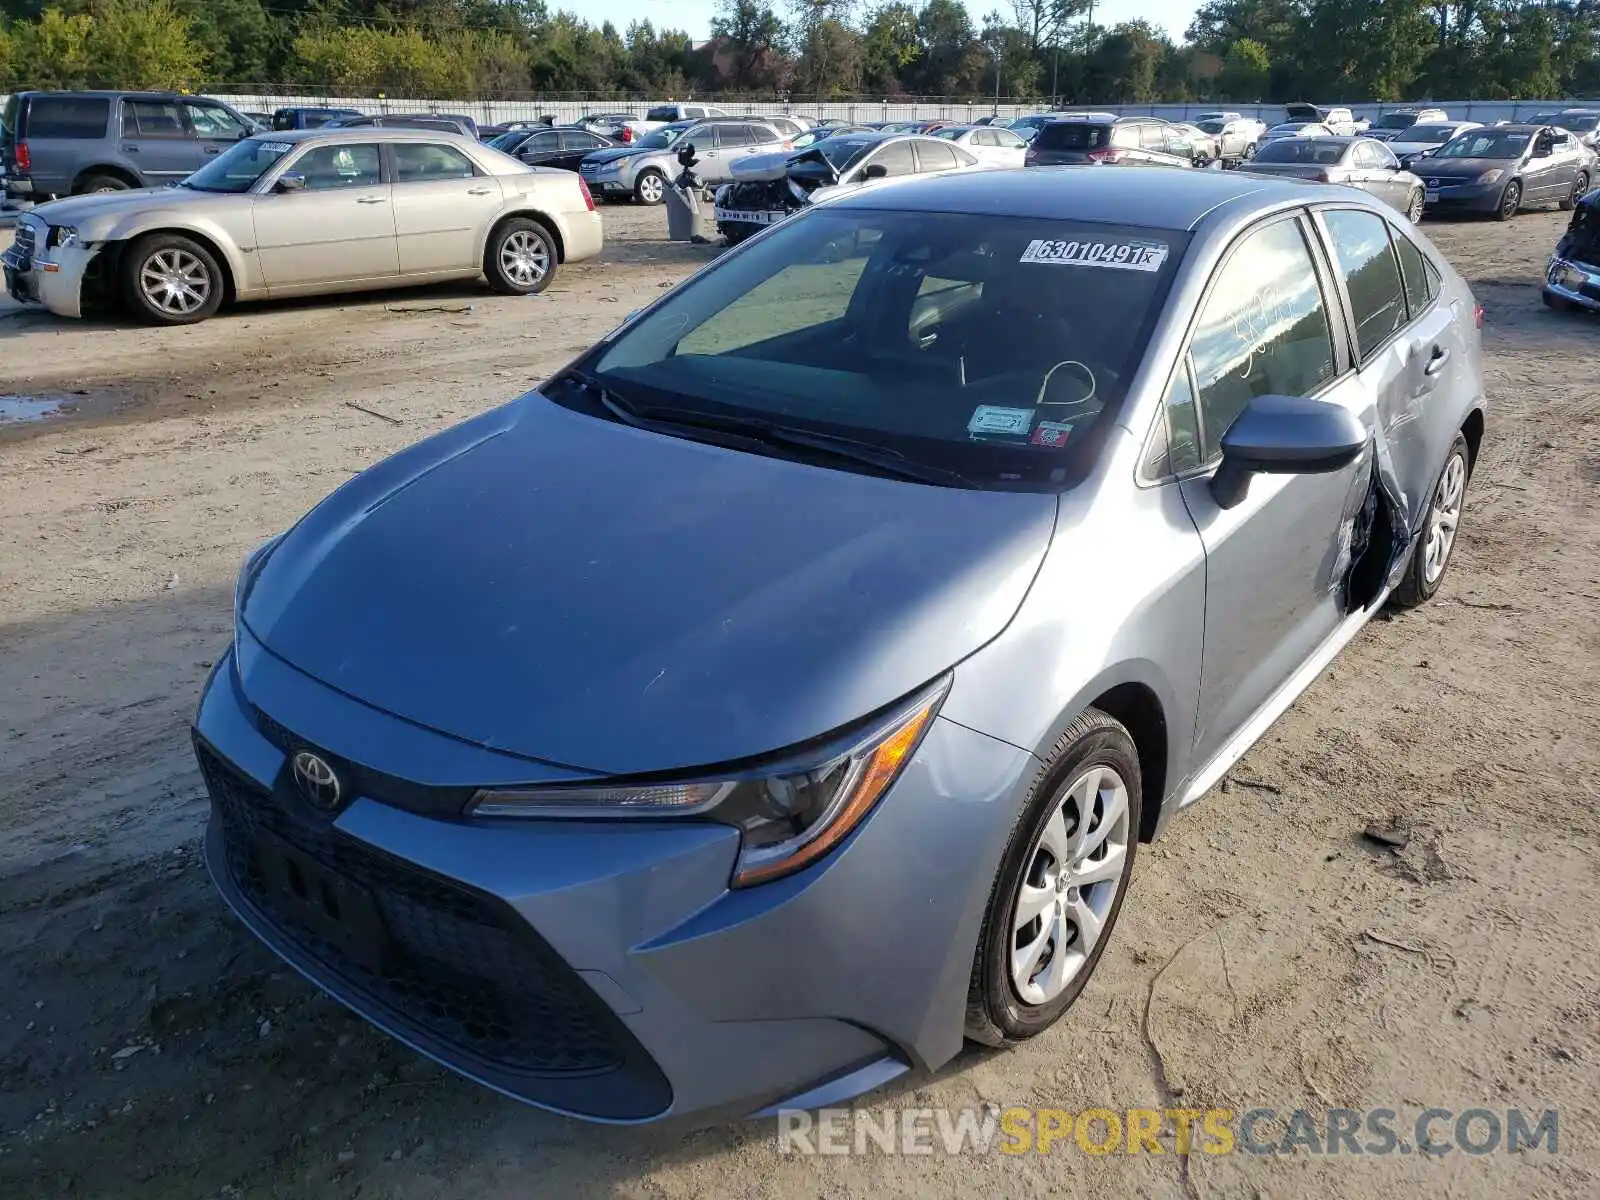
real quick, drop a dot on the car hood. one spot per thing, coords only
(616, 152)
(75, 210)
(1463, 168)
(617, 601)
(754, 168)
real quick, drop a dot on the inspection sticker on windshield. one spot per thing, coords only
(990, 419)
(1136, 254)
(277, 147)
(1051, 433)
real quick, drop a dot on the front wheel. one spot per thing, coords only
(650, 187)
(1580, 186)
(171, 280)
(1060, 884)
(1510, 202)
(1418, 203)
(1431, 556)
(520, 259)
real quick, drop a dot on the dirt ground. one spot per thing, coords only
(1267, 956)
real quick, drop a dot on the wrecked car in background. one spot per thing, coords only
(767, 188)
(1572, 279)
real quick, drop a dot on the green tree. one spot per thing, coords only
(889, 46)
(1246, 70)
(53, 52)
(753, 35)
(1124, 67)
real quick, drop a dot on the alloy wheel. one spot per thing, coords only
(651, 188)
(1418, 202)
(175, 282)
(524, 258)
(1070, 885)
(1510, 201)
(1443, 518)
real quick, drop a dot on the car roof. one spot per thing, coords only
(1178, 201)
(113, 93)
(1521, 127)
(362, 133)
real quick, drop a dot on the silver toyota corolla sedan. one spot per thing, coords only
(779, 695)
(302, 213)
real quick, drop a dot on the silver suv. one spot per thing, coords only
(641, 171)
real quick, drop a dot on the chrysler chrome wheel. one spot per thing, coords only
(1070, 885)
(175, 282)
(524, 258)
(1443, 518)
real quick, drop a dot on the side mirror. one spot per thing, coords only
(1285, 435)
(876, 171)
(290, 181)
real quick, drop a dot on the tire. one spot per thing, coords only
(100, 183)
(1580, 186)
(168, 279)
(1249, 151)
(998, 1011)
(1417, 206)
(650, 187)
(1423, 578)
(520, 259)
(1510, 202)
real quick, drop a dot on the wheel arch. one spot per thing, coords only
(1472, 430)
(118, 172)
(544, 219)
(212, 245)
(1139, 709)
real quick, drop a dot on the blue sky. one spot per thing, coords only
(694, 16)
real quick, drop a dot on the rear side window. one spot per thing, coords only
(68, 117)
(936, 156)
(1421, 284)
(152, 119)
(418, 162)
(895, 159)
(1363, 255)
(1263, 331)
(1073, 135)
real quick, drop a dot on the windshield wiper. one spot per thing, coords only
(755, 430)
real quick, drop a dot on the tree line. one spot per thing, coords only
(1233, 51)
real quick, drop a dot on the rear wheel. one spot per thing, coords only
(171, 280)
(1431, 557)
(1419, 202)
(1580, 186)
(650, 187)
(520, 259)
(1060, 884)
(1510, 201)
(100, 183)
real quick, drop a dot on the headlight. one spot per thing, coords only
(787, 818)
(1490, 176)
(62, 237)
(253, 563)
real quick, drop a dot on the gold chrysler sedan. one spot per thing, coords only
(305, 212)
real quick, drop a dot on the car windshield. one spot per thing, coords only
(999, 348)
(1433, 135)
(1486, 143)
(1295, 127)
(506, 141)
(658, 139)
(1213, 126)
(1301, 150)
(950, 132)
(1396, 121)
(238, 167)
(843, 152)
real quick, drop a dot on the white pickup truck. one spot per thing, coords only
(1340, 120)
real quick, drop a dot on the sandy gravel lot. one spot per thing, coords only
(1267, 956)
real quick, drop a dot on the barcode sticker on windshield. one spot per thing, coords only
(277, 147)
(1133, 255)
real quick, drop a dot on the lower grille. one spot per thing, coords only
(459, 971)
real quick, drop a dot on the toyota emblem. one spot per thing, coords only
(317, 781)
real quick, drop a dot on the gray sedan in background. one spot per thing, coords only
(1359, 162)
(956, 534)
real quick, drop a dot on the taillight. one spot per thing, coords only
(1322, 177)
(588, 198)
(1105, 156)
(1477, 315)
(24, 157)
(625, 134)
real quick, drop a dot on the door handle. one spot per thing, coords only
(1436, 361)
(130, 149)
(477, 191)
(370, 200)
(213, 149)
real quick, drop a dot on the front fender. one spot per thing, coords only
(126, 227)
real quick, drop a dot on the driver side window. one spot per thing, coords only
(1263, 330)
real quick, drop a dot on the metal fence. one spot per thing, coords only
(567, 107)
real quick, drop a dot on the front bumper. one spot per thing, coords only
(601, 969)
(1576, 282)
(613, 184)
(52, 277)
(1464, 197)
